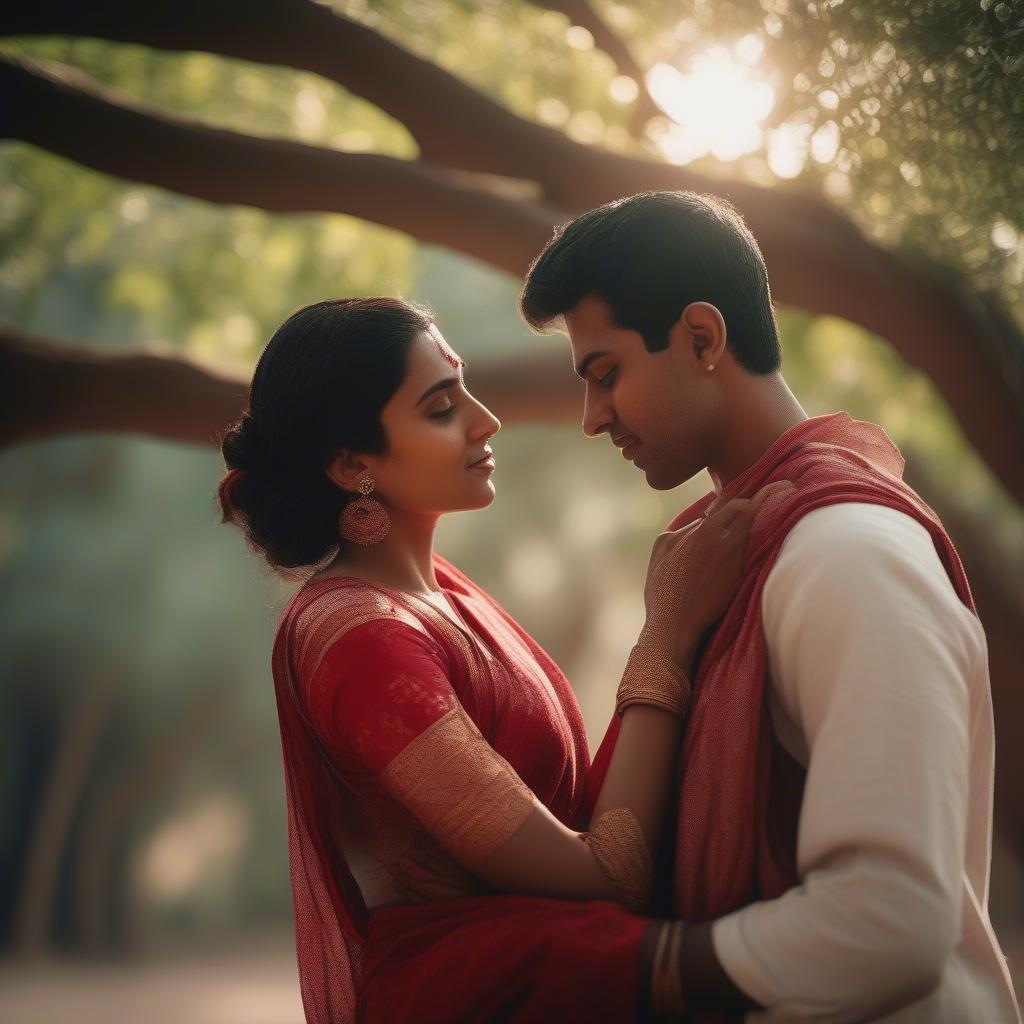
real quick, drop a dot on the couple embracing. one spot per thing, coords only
(790, 814)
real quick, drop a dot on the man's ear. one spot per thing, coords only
(345, 469)
(701, 330)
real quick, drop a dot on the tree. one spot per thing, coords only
(885, 88)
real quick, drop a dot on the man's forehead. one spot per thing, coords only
(588, 333)
(589, 320)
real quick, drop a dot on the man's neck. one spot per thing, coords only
(761, 410)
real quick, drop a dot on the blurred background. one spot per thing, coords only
(177, 178)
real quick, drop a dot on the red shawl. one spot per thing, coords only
(739, 792)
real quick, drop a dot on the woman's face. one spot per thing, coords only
(435, 430)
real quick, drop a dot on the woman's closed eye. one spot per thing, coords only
(443, 413)
(607, 379)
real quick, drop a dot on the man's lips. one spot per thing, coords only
(629, 445)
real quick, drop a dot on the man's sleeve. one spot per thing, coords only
(871, 654)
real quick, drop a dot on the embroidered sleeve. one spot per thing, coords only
(465, 793)
(382, 696)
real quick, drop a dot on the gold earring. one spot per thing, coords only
(364, 520)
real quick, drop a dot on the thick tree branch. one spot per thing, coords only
(67, 113)
(50, 387)
(451, 122)
(818, 260)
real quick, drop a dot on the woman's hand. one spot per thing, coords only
(695, 571)
(424, 875)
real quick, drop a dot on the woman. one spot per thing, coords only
(435, 757)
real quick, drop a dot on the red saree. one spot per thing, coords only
(739, 792)
(364, 675)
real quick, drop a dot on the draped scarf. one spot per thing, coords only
(734, 838)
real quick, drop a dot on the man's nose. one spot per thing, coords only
(596, 415)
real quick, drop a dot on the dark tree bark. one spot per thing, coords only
(491, 185)
(49, 388)
(818, 261)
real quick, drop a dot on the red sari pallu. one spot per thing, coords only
(365, 676)
(738, 791)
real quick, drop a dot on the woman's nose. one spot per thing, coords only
(488, 424)
(493, 424)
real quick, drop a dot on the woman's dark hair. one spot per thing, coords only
(649, 256)
(319, 385)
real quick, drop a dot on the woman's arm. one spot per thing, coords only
(384, 698)
(692, 576)
(546, 858)
(381, 698)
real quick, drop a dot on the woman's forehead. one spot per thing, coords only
(450, 355)
(431, 360)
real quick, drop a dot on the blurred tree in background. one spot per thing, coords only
(163, 209)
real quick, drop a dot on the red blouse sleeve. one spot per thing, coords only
(378, 687)
(382, 695)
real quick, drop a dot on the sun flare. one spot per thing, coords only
(717, 107)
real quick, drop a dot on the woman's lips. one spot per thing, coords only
(484, 465)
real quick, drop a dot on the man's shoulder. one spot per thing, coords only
(860, 552)
(859, 540)
(866, 525)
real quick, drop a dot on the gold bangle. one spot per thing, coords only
(620, 849)
(652, 677)
(666, 975)
(653, 698)
(658, 970)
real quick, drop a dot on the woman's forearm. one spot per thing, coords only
(546, 858)
(639, 775)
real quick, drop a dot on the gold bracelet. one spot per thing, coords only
(620, 849)
(657, 978)
(666, 973)
(652, 677)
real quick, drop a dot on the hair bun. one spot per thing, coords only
(238, 445)
(319, 385)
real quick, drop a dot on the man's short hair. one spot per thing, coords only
(649, 256)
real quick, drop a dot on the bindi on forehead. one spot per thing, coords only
(446, 350)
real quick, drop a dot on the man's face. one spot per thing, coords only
(655, 406)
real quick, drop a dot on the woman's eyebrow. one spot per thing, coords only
(448, 382)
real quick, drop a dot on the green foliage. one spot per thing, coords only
(924, 101)
(213, 280)
(109, 546)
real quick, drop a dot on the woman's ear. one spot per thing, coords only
(345, 469)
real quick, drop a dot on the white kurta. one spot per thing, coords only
(879, 686)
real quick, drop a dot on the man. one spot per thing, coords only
(835, 786)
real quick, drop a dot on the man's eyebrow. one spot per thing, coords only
(581, 370)
(448, 382)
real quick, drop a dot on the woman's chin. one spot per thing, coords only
(487, 496)
(470, 503)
